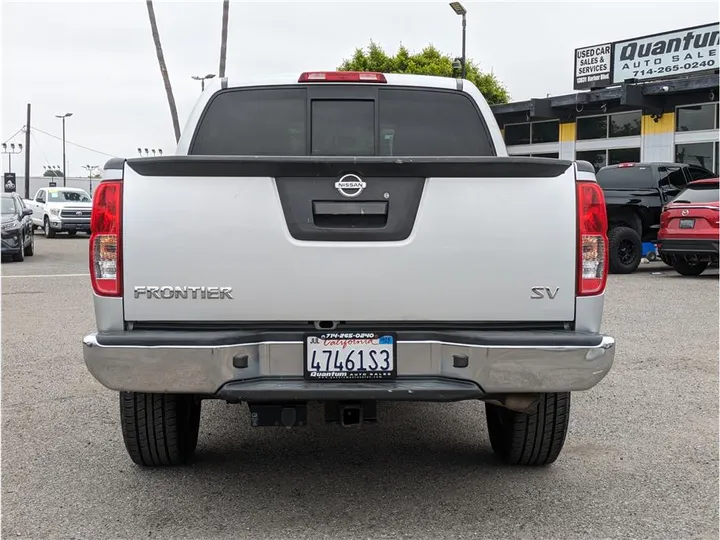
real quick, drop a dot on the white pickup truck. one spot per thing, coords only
(61, 209)
(372, 242)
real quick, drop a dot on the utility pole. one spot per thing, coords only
(27, 154)
(223, 37)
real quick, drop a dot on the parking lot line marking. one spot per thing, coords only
(45, 276)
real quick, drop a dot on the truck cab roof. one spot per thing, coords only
(332, 78)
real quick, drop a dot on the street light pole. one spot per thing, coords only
(202, 79)
(155, 152)
(91, 170)
(464, 24)
(63, 117)
(54, 171)
(460, 10)
(13, 150)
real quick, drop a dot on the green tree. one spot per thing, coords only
(430, 61)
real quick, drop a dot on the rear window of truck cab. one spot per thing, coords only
(292, 121)
(632, 177)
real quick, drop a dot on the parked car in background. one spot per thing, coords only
(689, 228)
(380, 245)
(61, 209)
(18, 238)
(635, 194)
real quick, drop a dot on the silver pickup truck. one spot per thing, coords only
(358, 238)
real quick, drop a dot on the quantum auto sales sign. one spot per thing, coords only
(668, 54)
(593, 66)
(658, 56)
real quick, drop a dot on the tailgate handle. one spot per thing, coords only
(350, 215)
(350, 208)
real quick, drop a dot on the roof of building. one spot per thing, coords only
(650, 95)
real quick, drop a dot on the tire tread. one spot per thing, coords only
(534, 438)
(684, 268)
(159, 429)
(30, 249)
(615, 266)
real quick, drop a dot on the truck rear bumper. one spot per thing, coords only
(212, 364)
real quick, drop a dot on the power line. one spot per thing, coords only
(13, 135)
(74, 144)
(41, 150)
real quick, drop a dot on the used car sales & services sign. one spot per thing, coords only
(657, 56)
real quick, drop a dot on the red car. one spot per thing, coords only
(690, 228)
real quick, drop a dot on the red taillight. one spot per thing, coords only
(626, 165)
(592, 263)
(106, 239)
(664, 218)
(342, 76)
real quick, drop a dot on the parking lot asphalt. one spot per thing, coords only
(640, 461)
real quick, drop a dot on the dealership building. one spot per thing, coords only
(653, 98)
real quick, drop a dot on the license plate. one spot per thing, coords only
(687, 223)
(350, 356)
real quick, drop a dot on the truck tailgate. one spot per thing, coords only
(460, 239)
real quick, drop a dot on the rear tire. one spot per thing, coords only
(534, 438)
(625, 250)
(49, 233)
(665, 259)
(685, 268)
(159, 429)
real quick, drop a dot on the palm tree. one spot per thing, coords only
(163, 70)
(223, 40)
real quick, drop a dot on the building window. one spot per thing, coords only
(598, 158)
(696, 117)
(624, 124)
(533, 133)
(592, 127)
(623, 155)
(545, 132)
(601, 158)
(702, 154)
(517, 134)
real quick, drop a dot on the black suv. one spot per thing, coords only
(635, 194)
(18, 239)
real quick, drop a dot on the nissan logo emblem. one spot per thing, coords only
(350, 185)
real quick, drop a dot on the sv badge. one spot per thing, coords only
(538, 293)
